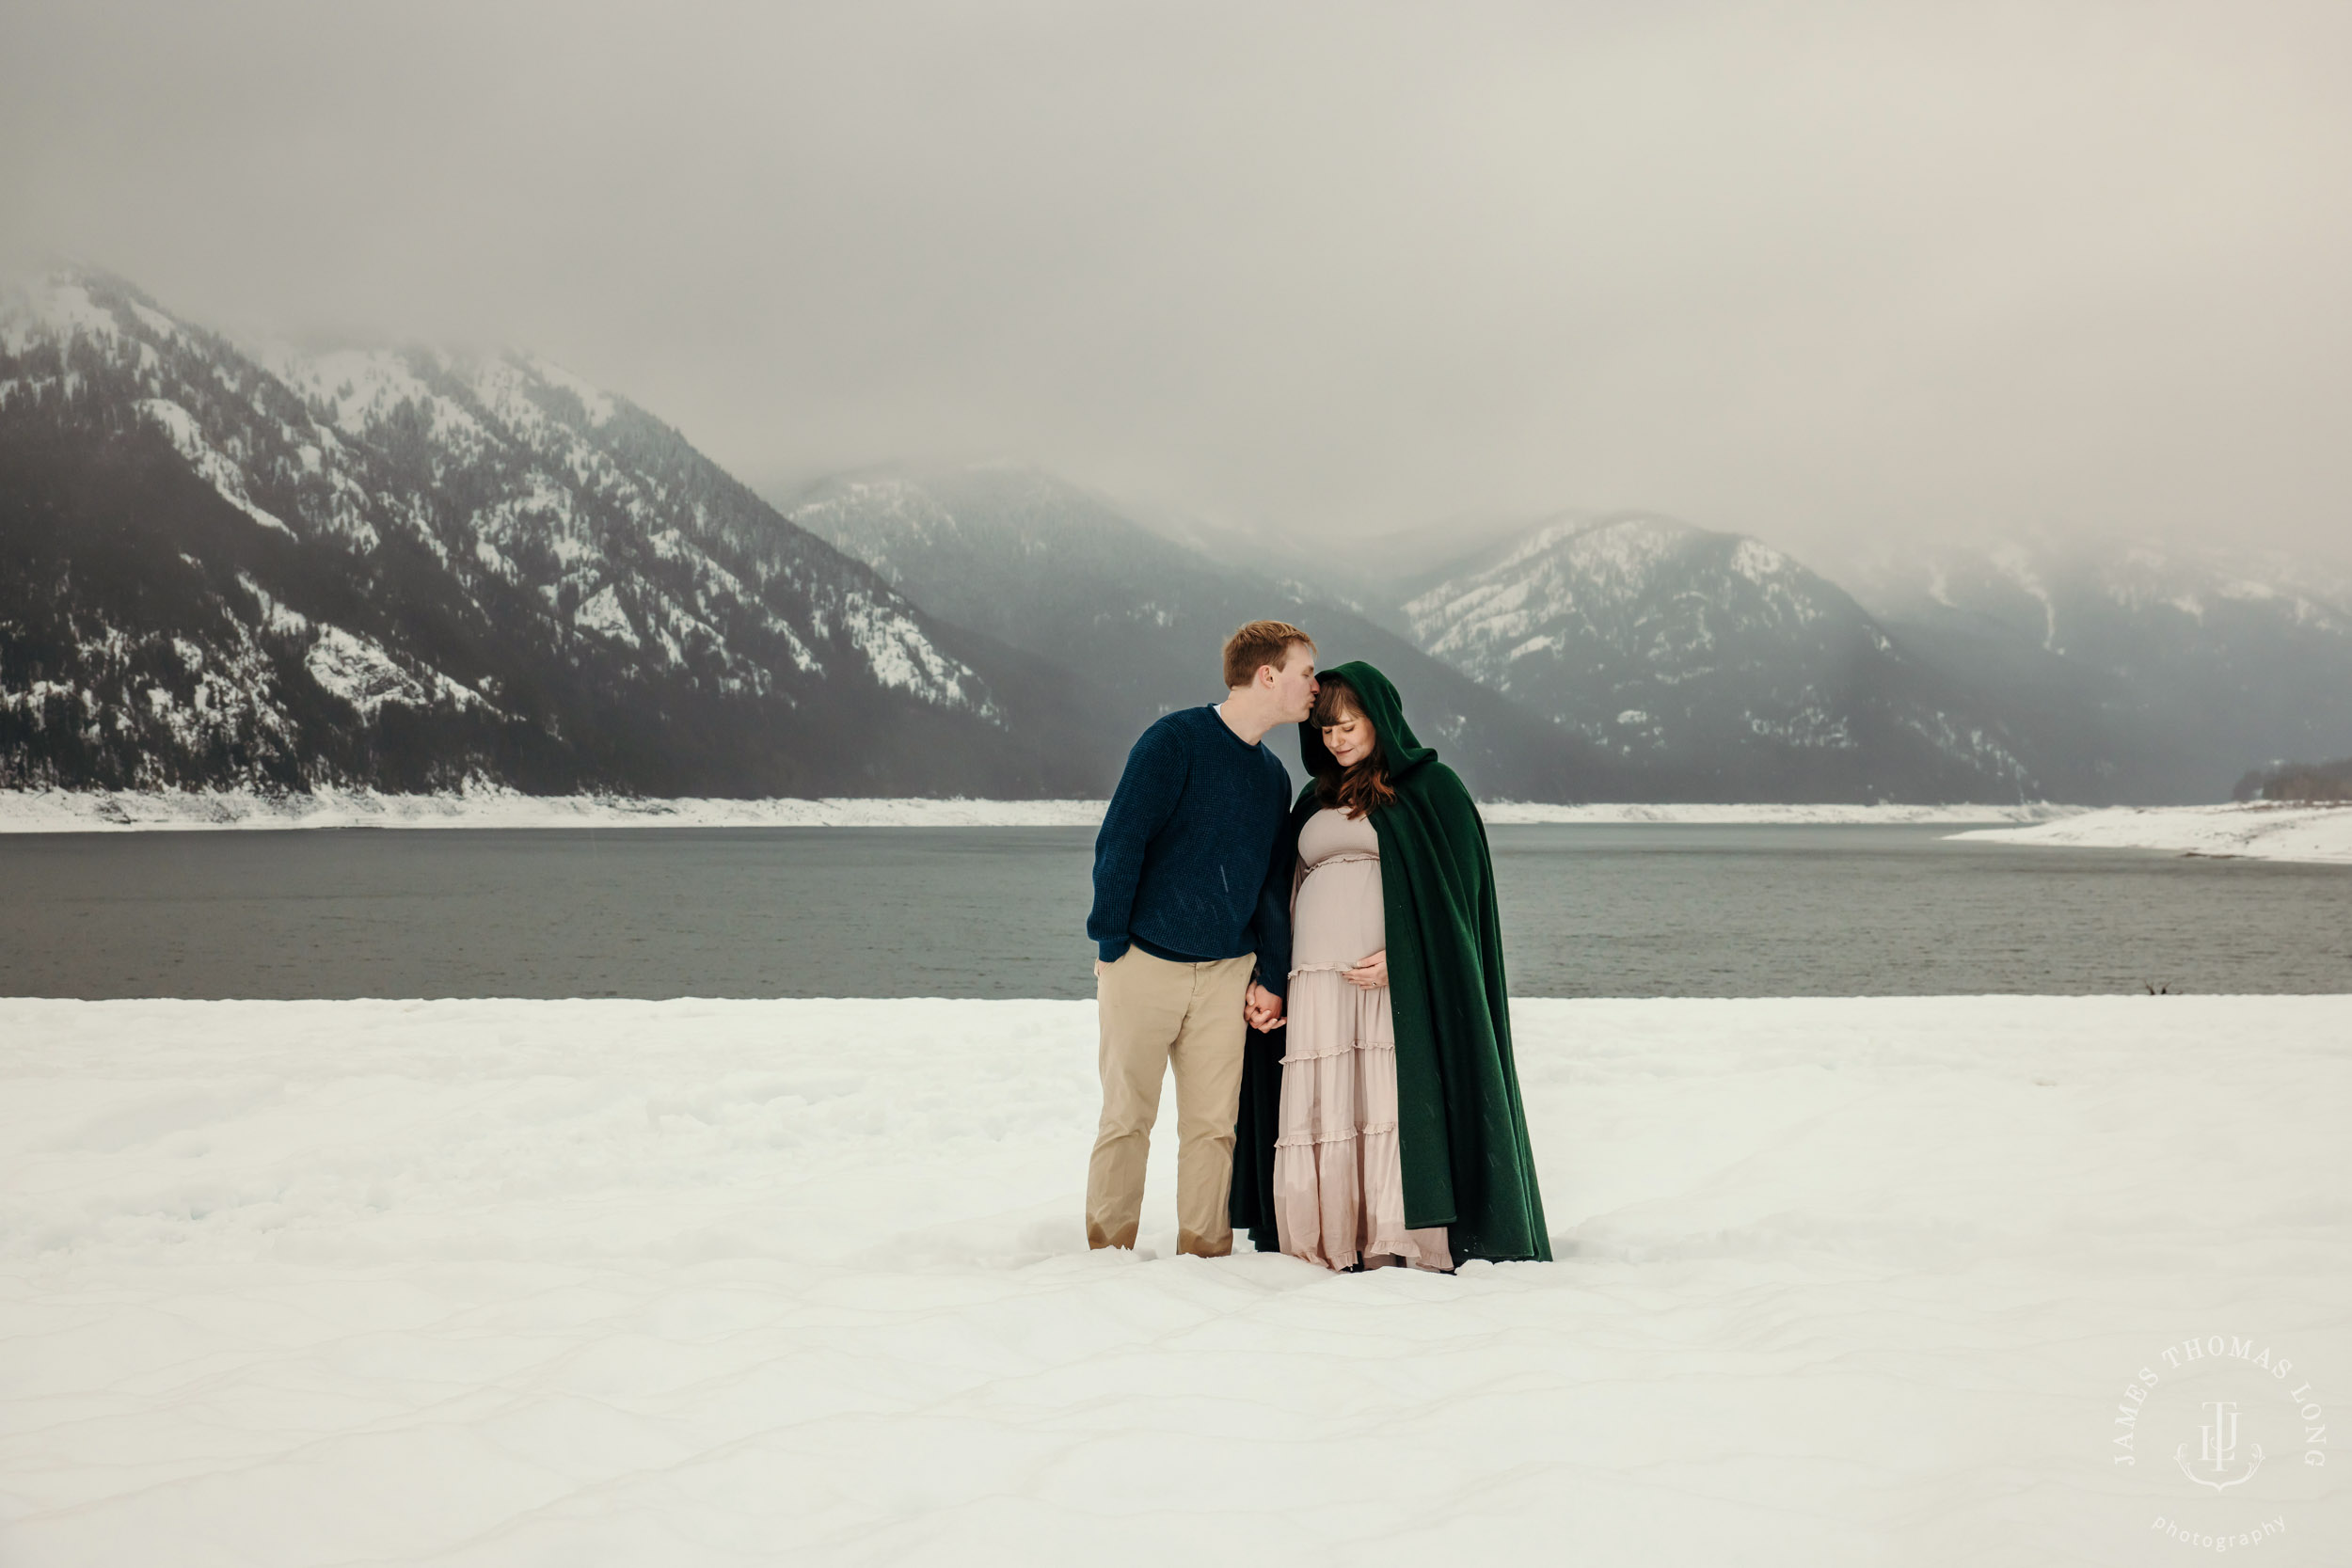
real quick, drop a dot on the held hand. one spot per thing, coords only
(1260, 1008)
(1372, 973)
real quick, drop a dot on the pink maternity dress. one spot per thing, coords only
(1339, 1190)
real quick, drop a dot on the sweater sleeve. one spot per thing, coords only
(1148, 791)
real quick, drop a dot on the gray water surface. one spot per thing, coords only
(1608, 910)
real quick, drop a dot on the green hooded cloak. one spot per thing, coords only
(1462, 1130)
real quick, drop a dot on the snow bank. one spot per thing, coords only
(99, 811)
(2260, 830)
(680, 1283)
(1505, 812)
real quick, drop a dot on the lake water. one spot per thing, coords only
(1588, 910)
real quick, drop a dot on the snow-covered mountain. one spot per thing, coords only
(411, 569)
(1050, 568)
(1712, 657)
(2130, 671)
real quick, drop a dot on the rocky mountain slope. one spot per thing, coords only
(1049, 568)
(413, 570)
(2131, 672)
(1715, 661)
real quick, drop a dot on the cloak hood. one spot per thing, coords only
(1400, 749)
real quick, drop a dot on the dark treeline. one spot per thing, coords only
(2299, 781)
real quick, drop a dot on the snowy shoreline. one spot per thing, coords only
(1838, 1283)
(2258, 829)
(138, 810)
(1503, 814)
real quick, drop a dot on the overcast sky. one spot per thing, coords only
(1828, 273)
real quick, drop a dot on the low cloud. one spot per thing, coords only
(1831, 274)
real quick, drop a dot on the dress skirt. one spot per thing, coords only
(1339, 1186)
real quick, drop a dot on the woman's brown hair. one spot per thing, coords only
(1358, 789)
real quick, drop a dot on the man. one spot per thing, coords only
(1187, 903)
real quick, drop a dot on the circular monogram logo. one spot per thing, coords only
(2223, 1425)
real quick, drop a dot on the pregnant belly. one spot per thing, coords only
(1338, 918)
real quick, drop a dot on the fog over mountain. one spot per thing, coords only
(1635, 657)
(1908, 400)
(419, 569)
(1712, 654)
(1137, 619)
(2129, 670)
(1823, 275)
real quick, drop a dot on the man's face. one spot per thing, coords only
(1295, 683)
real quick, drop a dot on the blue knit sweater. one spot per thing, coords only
(1183, 867)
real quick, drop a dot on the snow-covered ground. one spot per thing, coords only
(678, 1283)
(2260, 831)
(116, 811)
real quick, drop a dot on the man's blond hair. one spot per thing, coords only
(1260, 642)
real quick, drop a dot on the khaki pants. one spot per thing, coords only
(1156, 1013)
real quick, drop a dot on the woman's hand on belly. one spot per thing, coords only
(1372, 973)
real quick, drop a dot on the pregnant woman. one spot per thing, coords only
(1384, 1126)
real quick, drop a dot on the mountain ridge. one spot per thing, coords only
(406, 568)
(1062, 572)
(1713, 653)
(2135, 672)
(403, 568)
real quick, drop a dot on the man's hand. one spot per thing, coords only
(1260, 1008)
(1372, 973)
